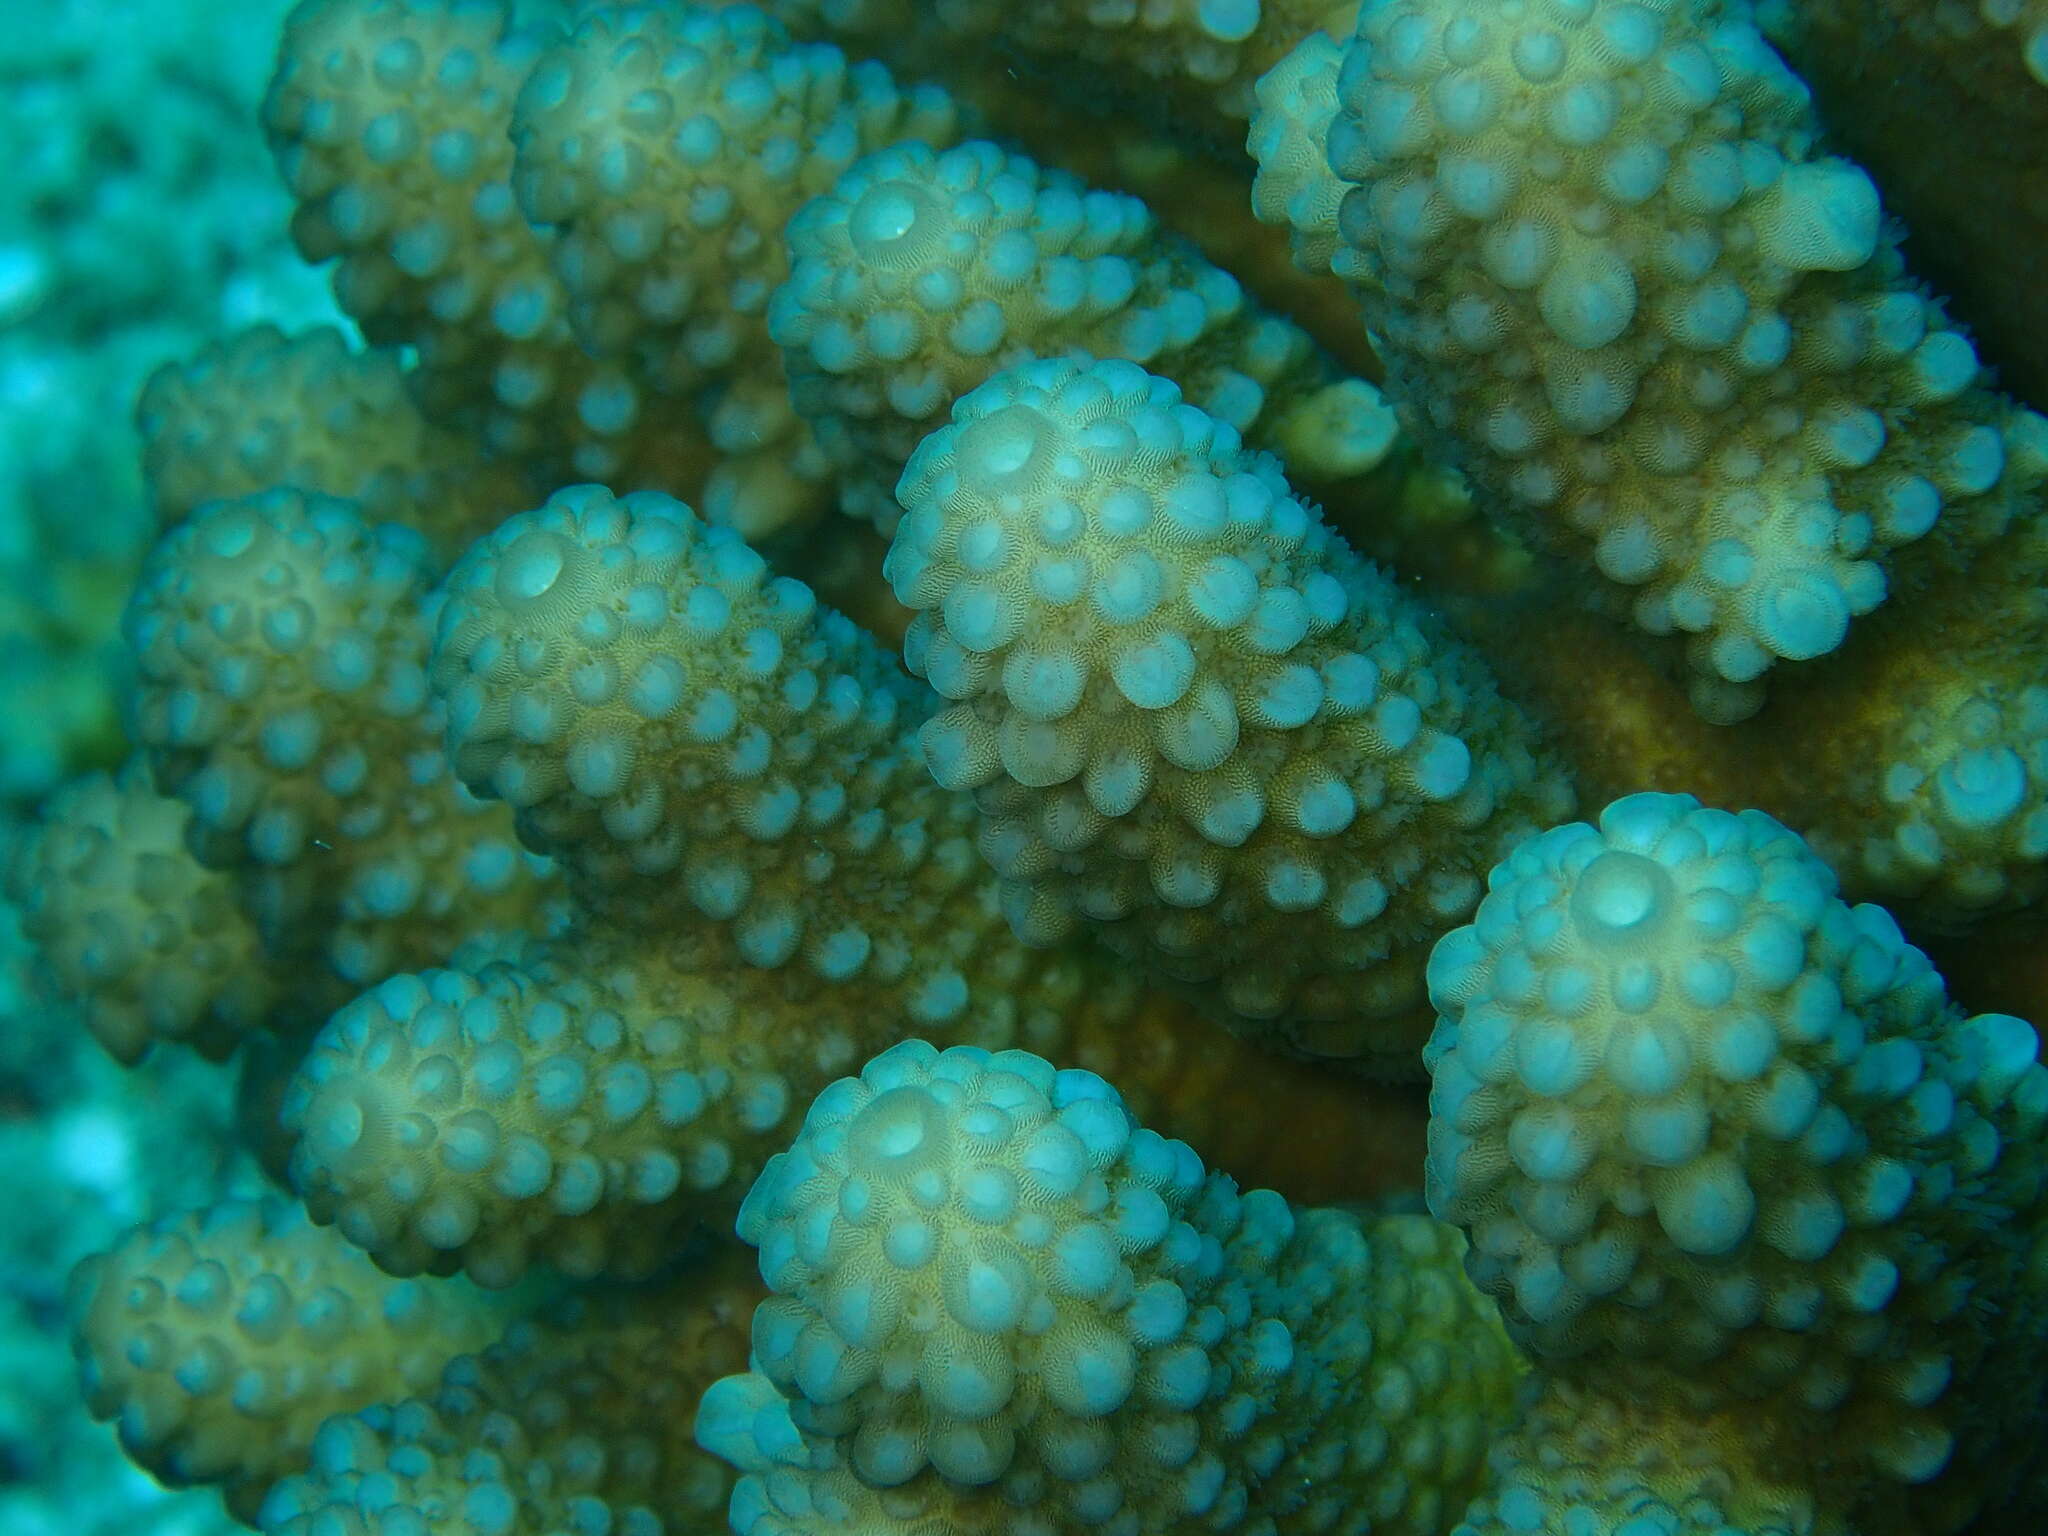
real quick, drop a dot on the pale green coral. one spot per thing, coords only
(154, 945)
(1613, 276)
(1190, 63)
(922, 272)
(559, 1425)
(668, 146)
(1193, 717)
(390, 122)
(770, 886)
(280, 646)
(992, 1288)
(262, 410)
(220, 1340)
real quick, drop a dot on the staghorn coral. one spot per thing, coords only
(566, 246)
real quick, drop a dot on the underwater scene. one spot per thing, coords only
(1023, 767)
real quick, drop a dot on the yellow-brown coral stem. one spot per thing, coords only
(1340, 1140)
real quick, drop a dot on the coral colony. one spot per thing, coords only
(837, 737)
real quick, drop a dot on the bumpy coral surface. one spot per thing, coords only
(578, 1418)
(155, 944)
(1192, 715)
(264, 410)
(1721, 1137)
(848, 618)
(280, 647)
(994, 1290)
(1607, 263)
(669, 146)
(1891, 78)
(221, 1340)
(918, 274)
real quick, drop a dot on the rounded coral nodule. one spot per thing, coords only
(995, 1292)
(1193, 716)
(1719, 1137)
(1612, 274)
(220, 1340)
(148, 943)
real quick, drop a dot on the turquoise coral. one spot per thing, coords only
(1722, 1143)
(551, 851)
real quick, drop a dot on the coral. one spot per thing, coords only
(264, 410)
(715, 761)
(1192, 716)
(921, 272)
(1610, 272)
(1295, 188)
(536, 848)
(582, 1104)
(993, 1290)
(1191, 63)
(92, 1147)
(587, 1102)
(1720, 1140)
(684, 729)
(1588, 1462)
(1890, 79)
(390, 124)
(280, 647)
(577, 1419)
(137, 219)
(668, 147)
(155, 945)
(220, 1340)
